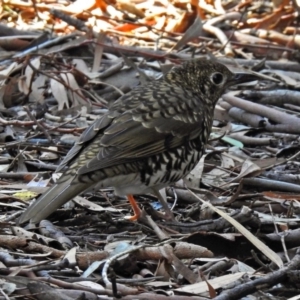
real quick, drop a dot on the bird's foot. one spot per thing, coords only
(138, 216)
(138, 213)
(142, 217)
(168, 215)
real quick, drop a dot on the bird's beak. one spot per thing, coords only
(244, 77)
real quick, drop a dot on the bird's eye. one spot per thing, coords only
(217, 78)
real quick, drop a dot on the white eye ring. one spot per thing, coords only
(217, 78)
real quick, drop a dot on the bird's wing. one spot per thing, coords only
(85, 139)
(135, 135)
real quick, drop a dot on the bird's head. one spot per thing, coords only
(206, 79)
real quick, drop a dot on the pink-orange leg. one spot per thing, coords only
(137, 211)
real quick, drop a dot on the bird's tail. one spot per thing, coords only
(51, 200)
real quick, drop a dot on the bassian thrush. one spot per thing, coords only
(151, 137)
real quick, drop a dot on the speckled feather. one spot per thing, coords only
(149, 138)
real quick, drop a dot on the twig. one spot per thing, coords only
(32, 117)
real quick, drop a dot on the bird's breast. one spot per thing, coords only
(172, 165)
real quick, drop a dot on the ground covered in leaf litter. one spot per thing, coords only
(243, 239)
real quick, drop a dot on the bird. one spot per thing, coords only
(149, 138)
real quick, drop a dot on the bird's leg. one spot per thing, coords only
(168, 213)
(138, 213)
